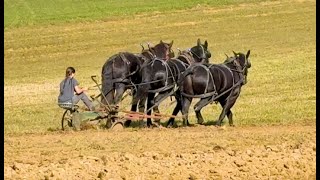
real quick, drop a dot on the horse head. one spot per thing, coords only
(162, 50)
(200, 52)
(244, 63)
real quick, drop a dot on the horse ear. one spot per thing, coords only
(170, 45)
(198, 42)
(161, 42)
(206, 44)
(142, 47)
(248, 53)
(235, 54)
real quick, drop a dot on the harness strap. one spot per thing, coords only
(120, 80)
(209, 76)
(164, 88)
(166, 66)
(212, 93)
(125, 79)
(163, 98)
(175, 64)
(230, 70)
(125, 60)
(187, 56)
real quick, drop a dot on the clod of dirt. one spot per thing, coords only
(46, 177)
(272, 148)
(231, 152)
(129, 156)
(15, 167)
(249, 153)
(244, 169)
(217, 148)
(214, 171)
(63, 161)
(239, 162)
(93, 158)
(296, 150)
(192, 177)
(104, 160)
(102, 174)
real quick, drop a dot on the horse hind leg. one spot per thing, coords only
(226, 110)
(176, 109)
(197, 108)
(186, 101)
(120, 89)
(229, 115)
(108, 98)
(149, 105)
(157, 100)
(142, 107)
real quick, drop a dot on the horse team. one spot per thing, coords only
(155, 74)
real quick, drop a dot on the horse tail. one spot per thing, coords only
(107, 78)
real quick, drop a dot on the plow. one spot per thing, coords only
(109, 116)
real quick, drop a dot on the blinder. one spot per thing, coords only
(171, 53)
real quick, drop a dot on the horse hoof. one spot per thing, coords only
(201, 123)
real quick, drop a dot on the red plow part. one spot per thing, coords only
(131, 115)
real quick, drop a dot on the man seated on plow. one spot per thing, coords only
(70, 92)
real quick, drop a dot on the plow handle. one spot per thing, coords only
(94, 80)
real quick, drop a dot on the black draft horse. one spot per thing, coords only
(160, 77)
(213, 82)
(122, 70)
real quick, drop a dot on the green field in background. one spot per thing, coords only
(42, 38)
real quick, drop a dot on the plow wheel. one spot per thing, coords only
(115, 124)
(118, 125)
(66, 121)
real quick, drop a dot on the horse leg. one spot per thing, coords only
(186, 102)
(157, 100)
(141, 107)
(108, 98)
(226, 106)
(149, 105)
(176, 109)
(197, 108)
(120, 89)
(229, 115)
(134, 105)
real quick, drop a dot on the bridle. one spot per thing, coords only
(195, 54)
(240, 69)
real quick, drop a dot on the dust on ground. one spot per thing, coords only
(202, 152)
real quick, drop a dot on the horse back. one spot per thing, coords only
(207, 78)
(121, 65)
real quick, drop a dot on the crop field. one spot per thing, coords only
(274, 135)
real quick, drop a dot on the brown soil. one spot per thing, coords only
(202, 152)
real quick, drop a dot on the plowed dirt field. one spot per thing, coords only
(202, 152)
